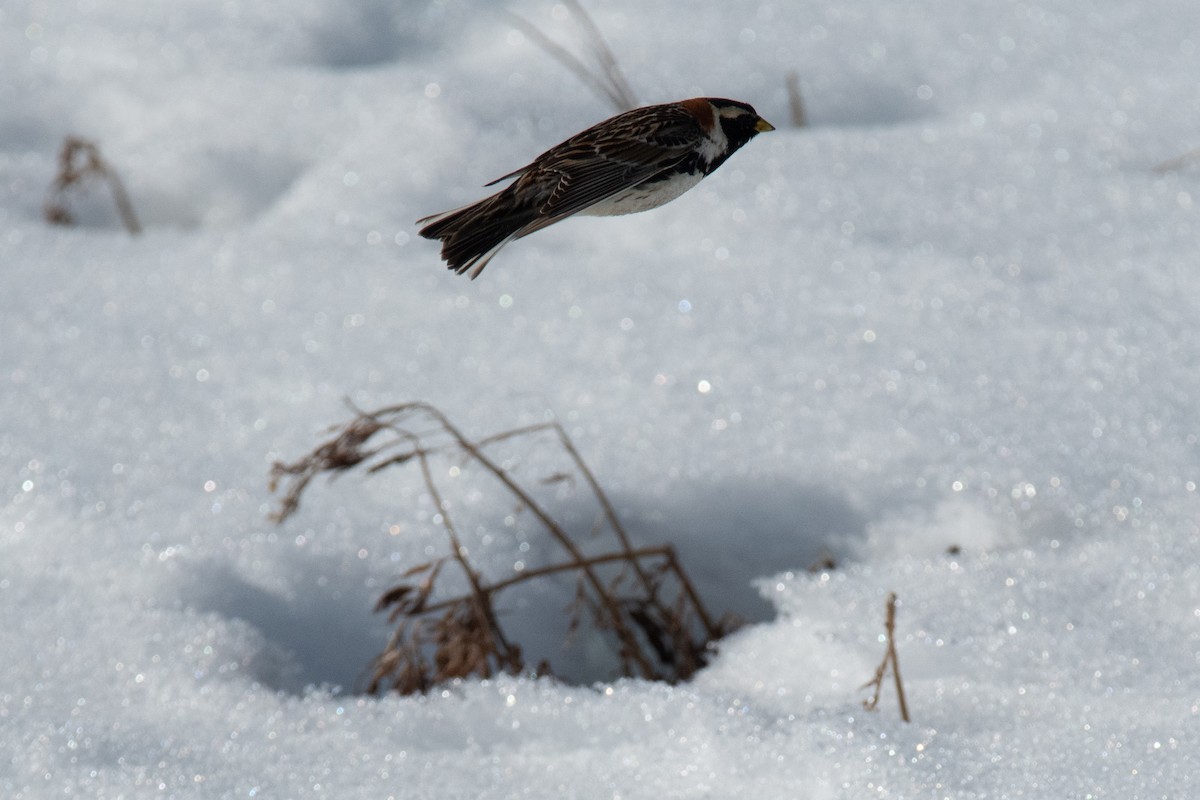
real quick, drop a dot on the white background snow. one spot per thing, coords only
(959, 309)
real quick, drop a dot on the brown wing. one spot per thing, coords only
(606, 159)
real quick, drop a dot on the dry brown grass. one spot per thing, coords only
(890, 659)
(640, 599)
(795, 102)
(605, 77)
(79, 163)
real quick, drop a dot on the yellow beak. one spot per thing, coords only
(762, 126)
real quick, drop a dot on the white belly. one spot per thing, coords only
(643, 198)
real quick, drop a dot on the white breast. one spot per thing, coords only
(643, 198)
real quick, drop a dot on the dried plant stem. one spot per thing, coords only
(604, 54)
(606, 506)
(662, 551)
(483, 610)
(650, 607)
(616, 618)
(78, 160)
(710, 626)
(609, 82)
(714, 629)
(795, 102)
(890, 658)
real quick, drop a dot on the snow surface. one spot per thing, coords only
(958, 310)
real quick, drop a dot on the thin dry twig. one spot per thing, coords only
(603, 54)
(660, 551)
(652, 610)
(79, 160)
(890, 658)
(606, 79)
(795, 103)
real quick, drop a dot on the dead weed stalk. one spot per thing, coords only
(641, 598)
(605, 78)
(79, 161)
(796, 111)
(889, 659)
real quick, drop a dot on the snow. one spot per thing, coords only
(944, 336)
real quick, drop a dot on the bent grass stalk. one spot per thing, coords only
(661, 628)
(606, 79)
(892, 659)
(79, 161)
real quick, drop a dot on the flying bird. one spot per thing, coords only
(634, 161)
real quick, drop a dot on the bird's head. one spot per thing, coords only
(739, 121)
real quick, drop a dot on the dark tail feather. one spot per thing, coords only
(471, 235)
